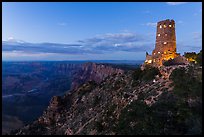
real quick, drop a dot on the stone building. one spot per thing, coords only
(165, 47)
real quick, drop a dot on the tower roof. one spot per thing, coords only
(167, 20)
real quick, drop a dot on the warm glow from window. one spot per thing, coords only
(159, 35)
(159, 52)
(164, 26)
(149, 61)
(165, 42)
(164, 52)
(170, 25)
(160, 26)
(165, 34)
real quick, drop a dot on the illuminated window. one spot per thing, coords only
(164, 26)
(149, 61)
(158, 52)
(158, 35)
(165, 42)
(165, 34)
(164, 52)
(160, 26)
(170, 25)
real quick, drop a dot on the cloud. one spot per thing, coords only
(152, 24)
(62, 24)
(175, 3)
(180, 22)
(191, 47)
(118, 42)
(199, 12)
(100, 44)
(146, 12)
(197, 36)
(10, 38)
(44, 48)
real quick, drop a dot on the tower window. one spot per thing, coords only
(158, 52)
(160, 26)
(165, 42)
(159, 35)
(164, 26)
(149, 61)
(170, 25)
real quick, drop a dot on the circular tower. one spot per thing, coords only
(165, 47)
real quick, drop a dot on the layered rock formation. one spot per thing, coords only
(27, 88)
(93, 72)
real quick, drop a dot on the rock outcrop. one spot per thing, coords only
(93, 72)
(116, 105)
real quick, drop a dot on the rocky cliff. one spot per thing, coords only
(93, 72)
(27, 88)
(129, 103)
(66, 68)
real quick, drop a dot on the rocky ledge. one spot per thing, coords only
(121, 104)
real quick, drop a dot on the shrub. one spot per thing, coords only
(199, 58)
(135, 119)
(191, 56)
(137, 74)
(168, 62)
(150, 73)
(147, 74)
(99, 126)
(185, 84)
(96, 100)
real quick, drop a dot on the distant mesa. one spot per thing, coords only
(165, 47)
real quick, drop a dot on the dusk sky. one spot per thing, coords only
(94, 31)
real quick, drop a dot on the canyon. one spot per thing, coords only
(27, 87)
(126, 103)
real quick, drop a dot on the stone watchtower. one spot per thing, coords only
(165, 47)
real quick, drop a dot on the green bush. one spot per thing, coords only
(199, 58)
(99, 126)
(185, 84)
(150, 73)
(96, 101)
(147, 74)
(168, 62)
(135, 119)
(137, 74)
(190, 55)
(187, 119)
